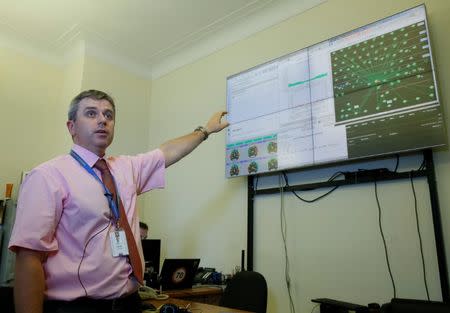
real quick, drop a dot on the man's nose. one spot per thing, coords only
(102, 118)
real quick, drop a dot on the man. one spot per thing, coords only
(76, 227)
(143, 230)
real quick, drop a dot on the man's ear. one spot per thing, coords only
(71, 127)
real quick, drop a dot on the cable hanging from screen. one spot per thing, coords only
(333, 177)
(384, 240)
(420, 236)
(396, 165)
(255, 187)
(284, 236)
(423, 165)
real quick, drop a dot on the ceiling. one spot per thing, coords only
(149, 37)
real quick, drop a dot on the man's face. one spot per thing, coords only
(93, 128)
(144, 233)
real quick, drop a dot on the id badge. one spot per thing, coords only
(119, 246)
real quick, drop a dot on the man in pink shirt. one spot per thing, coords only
(70, 251)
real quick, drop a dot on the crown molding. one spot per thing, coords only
(273, 14)
(103, 53)
(77, 41)
(208, 30)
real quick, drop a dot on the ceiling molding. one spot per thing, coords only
(208, 30)
(274, 14)
(100, 52)
(68, 38)
(78, 40)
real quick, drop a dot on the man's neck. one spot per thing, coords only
(99, 152)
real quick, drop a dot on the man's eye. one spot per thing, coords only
(91, 113)
(109, 115)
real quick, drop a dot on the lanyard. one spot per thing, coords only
(112, 204)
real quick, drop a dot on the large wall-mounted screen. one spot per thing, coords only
(368, 92)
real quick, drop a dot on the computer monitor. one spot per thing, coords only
(178, 273)
(152, 253)
(369, 92)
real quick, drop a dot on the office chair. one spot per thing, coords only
(247, 290)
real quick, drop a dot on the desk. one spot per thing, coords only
(196, 307)
(203, 294)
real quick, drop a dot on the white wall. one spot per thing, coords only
(31, 128)
(32, 119)
(335, 246)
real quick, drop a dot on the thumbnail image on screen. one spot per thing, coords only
(368, 92)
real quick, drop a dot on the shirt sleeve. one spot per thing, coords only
(151, 170)
(38, 211)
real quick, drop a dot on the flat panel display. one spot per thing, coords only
(368, 92)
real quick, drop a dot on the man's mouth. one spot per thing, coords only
(101, 131)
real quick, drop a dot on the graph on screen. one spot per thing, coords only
(368, 92)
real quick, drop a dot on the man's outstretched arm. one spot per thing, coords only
(177, 148)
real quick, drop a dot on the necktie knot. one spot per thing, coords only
(106, 176)
(101, 165)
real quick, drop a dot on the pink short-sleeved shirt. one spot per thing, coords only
(62, 210)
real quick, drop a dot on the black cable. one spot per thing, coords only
(422, 166)
(333, 177)
(384, 240)
(396, 165)
(318, 198)
(284, 236)
(336, 175)
(420, 236)
(255, 188)
(84, 252)
(285, 179)
(283, 224)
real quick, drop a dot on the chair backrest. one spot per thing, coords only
(247, 290)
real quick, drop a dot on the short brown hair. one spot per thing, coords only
(92, 94)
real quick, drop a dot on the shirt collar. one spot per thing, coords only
(89, 157)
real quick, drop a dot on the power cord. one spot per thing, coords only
(284, 235)
(284, 229)
(423, 165)
(255, 187)
(420, 236)
(333, 177)
(384, 240)
(396, 165)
